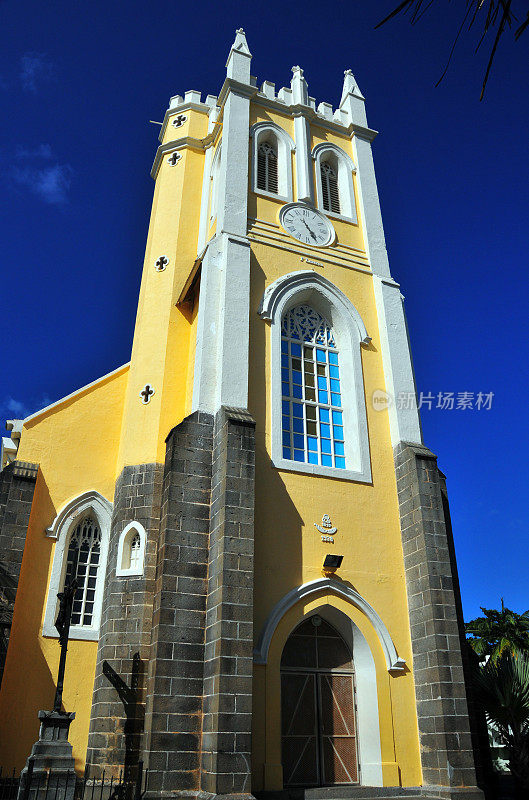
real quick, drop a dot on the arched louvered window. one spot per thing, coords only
(82, 562)
(329, 188)
(312, 413)
(267, 178)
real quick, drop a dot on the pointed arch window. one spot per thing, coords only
(82, 563)
(267, 178)
(82, 531)
(312, 413)
(329, 188)
(131, 550)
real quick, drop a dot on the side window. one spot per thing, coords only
(312, 413)
(131, 550)
(267, 167)
(82, 563)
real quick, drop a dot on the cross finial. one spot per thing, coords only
(297, 69)
(146, 393)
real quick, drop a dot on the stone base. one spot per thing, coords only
(453, 793)
(50, 756)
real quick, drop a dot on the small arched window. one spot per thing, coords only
(131, 550)
(267, 178)
(82, 564)
(312, 413)
(329, 188)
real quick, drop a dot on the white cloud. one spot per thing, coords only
(16, 407)
(35, 68)
(50, 183)
(41, 151)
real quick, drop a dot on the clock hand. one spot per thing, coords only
(309, 229)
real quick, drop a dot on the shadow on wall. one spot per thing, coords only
(28, 683)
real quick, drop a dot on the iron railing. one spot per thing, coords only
(55, 785)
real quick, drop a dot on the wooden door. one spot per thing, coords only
(299, 739)
(337, 729)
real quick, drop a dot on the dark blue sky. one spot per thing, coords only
(79, 83)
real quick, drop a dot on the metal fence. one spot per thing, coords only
(59, 785)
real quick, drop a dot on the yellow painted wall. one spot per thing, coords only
(76, 445)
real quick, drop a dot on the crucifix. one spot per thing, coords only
(173, 158)
(146, 393)
(180, 119)
(66, 598)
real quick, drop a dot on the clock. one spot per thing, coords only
(307, 225)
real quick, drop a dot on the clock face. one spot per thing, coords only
(307, 225)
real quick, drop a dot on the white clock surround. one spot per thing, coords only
(307, 225)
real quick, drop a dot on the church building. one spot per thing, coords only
(261, 538)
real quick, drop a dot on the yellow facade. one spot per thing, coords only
(84, 442)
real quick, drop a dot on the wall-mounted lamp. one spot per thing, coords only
(331, 564)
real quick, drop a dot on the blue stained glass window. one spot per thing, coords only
(297, 425)
(310, 374)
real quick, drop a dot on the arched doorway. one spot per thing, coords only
(318, 715)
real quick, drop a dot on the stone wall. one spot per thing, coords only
(435, 621)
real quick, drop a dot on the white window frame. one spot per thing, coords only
(284, 144)
(308, 287)
(70, 515)
(125, 541)
(345, 168)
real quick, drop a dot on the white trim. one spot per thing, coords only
(60, 529)
(214, 184)
(77, 391)
(312, 288)
(393, 662)
(304, 182)
(346, 167)
(285, 146)
(121, 571)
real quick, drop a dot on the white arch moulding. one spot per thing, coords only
(285, 146)
(59, 530)
(346, 168)
(393, 662)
